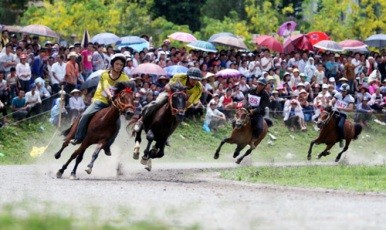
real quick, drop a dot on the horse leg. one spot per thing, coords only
(347, 143)
(238, 161)
(78, 160)
(58, 154)
(237, 150)
(326, 151)
(310, 150)
(94, 157)
(146, 153)
(138, 140)
(217, 154)
(64, 167)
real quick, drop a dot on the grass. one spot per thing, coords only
(354, 178)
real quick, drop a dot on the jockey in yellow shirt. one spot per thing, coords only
(102, 96)
(193, 89)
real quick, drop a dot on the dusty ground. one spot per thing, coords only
(182, 194)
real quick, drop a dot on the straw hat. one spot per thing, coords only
(74, 91)
(208, 75)
(72, 54)
(343, 79)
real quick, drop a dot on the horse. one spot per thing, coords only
(242, 135)
(328, 124)
(101, 128)
(159, 125)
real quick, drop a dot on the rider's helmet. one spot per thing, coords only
(344, 87)
(262, 81)
(117, 56)
(194, 73)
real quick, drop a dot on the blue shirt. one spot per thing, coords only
(18, 103)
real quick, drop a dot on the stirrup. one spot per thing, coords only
(75, 141)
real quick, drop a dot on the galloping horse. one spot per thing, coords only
(100, 129)
(328, 135)
(242, 135)
(159, 125)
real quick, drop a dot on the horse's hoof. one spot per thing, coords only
(238, 161)
(148, 168)
(135, 156)
(72, 177)
(143, 161)
(59, 174)
(216, 156)
(337, 160)
(88, 170)
(309, 158)
(235, 155)
(148, 165)
(57, 156)
(320, 156)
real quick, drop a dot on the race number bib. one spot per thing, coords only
(341, 104)
(254, 100)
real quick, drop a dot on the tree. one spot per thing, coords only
(10, 11)
(263, 18)
(223, 8)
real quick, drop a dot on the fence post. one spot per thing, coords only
(61, 105)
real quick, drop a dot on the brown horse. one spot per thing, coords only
(101, 128)
(159, 125)
(242, 135)
(328, 122)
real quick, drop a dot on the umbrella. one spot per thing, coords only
(105, 38)
(39, 30)
(228, 73)
(136, 47)
(352, 45)
(130, 40)
(149, 68)
(85, 39)
(297, 42)
(90, 83)
(230, 41)
(95, 74)
(14, 29)
(376, 40)
(329, 45)
(317, 36)
(214, 36)
(174, 69)
(182, 36)
(202, 45)
(283, 27)
(269, 42)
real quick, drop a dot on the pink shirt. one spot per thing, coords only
(87, 59)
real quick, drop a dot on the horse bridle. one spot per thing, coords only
(122, 107)
(245, 121)
(175, 110)
(330, 115)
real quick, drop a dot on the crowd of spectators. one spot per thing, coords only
(301, 83)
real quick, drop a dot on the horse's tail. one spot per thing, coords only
(67, 131)
(358, 130)
(131, 123)
(269, 122)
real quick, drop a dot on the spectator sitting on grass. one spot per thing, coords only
(19, 109)
(33, 101)
(293, 116)
(213, 117)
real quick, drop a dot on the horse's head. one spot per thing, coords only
(177, 100)
(242, 118)
(324, 117)
(123, 98)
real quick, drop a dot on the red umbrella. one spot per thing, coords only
(269, 42)
(317, 36)
(297, 42)
(149, 68)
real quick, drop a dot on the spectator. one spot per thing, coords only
(72, 74)
(33, 101)
(98, 62)
(76, 104)
(376, 101)
(213, 117)
(55, 110)
(58, 73)
(37, 69)
(19, 109)
(87, 60)
(13, 84)
(363, 112)
(4, 89)
(7, 59)
(293, 116)
(3, 111)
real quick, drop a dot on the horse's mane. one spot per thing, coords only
(123, 85)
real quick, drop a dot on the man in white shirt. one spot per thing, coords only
(213, 117)
(266, 61)
(8, 59)
(58, 72)
(33, 101)
(357, 63)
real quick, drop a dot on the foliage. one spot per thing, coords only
(357, 178)
(223, 9)
(10, 10)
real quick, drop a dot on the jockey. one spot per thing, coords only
(342, 103)
(102, 96)
(258, 100)
(193, 89)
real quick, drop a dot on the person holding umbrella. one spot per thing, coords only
(102, 96)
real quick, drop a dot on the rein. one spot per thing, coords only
(247, 119)
(175, 110)
(327, 120)
(120, 105)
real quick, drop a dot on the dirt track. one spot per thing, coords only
(185, 194)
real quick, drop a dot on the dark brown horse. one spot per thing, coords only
(242, 135)
(101, 128)
(159, 125)
(328, 122)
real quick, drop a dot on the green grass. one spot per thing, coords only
(355, 178)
